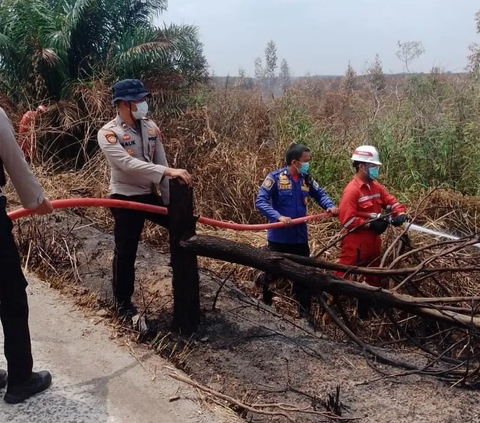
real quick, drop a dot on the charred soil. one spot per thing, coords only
(244, 349)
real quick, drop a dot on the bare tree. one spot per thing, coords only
(271, 64)
(348, 83)
(284, 76)
(375, 77)
(243, 81)
(241, 72)
(409, 51)
(376, 82)
(270, 59)
(474, 56)
(259, 72)
(242, 75)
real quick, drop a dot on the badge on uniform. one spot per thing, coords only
(126, 137)
(111, 137)
(284, 182)
(305, 186)
(131, 152)
(151, 131)
(268, 183)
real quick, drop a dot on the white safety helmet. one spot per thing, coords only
(366, 154)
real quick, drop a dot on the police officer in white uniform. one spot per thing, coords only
(22, 382)
(133, 147)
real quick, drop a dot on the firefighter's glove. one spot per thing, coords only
(378, 226)
(399, 220)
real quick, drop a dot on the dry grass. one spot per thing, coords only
(51, 252)
(229, 140)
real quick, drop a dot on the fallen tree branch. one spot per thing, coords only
(317, 281)
(257, 409)
(433, 258)
(449, 373)
(420, 249)
(220, 288)
(378, 271)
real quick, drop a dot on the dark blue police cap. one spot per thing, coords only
(129, 90)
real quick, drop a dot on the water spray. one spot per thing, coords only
(412, 226)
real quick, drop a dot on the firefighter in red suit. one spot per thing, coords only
(361, 247)
(26, 129)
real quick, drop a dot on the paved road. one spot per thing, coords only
(95, 379)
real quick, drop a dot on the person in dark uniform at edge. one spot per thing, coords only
(22, 381)
(284, 196)
(132, 144)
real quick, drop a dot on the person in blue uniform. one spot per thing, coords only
(284, 196)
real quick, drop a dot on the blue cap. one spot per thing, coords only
(129, 90)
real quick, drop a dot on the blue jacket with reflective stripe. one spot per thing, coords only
(280, 195)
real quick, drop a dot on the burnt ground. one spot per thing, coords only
(243, 349)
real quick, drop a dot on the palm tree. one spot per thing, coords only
(48, 46)
(69, 52)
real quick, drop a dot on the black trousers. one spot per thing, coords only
(128, 230)
(13, 305)
(302, 295)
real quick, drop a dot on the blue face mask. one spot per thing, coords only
(373, 173)
(304, 169)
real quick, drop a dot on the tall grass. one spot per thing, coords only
(426, 128)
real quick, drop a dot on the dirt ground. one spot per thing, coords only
(244, 350)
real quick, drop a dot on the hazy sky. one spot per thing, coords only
(321, 36)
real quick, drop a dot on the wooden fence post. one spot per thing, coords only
(185, 280)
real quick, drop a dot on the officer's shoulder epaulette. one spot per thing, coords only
(152, 123)
(109, 125)
(278, 172)
(149, 123)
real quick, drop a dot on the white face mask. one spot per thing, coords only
(142, 110)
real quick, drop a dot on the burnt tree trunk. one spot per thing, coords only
(317, 281)
(185, 280)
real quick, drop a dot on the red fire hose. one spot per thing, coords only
(106, 202)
